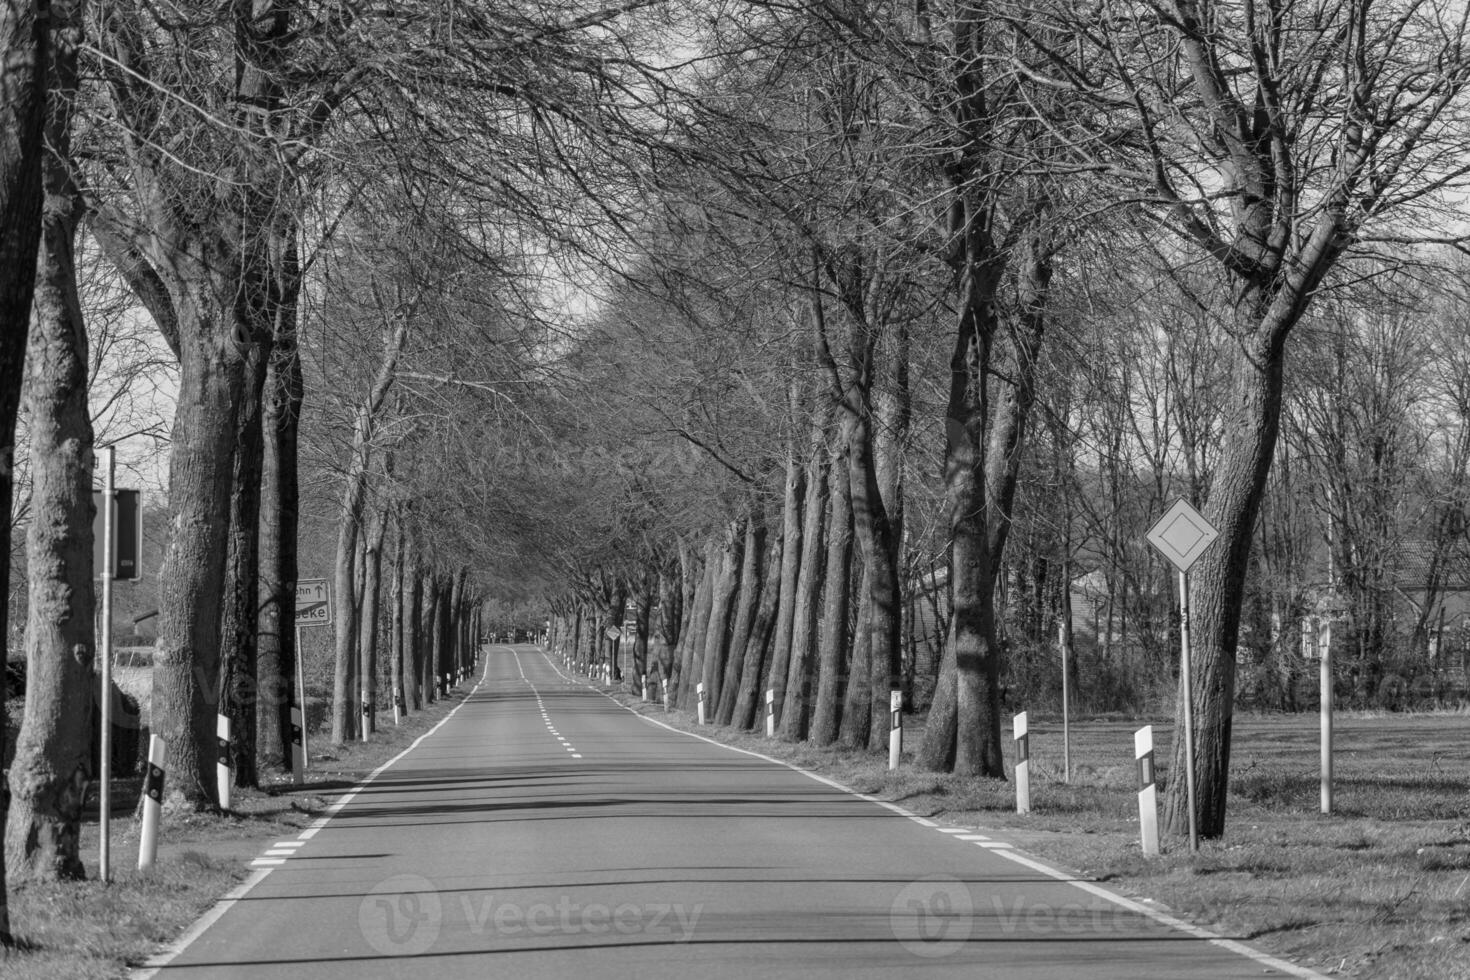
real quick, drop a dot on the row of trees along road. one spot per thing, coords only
(780, 321)
(1060, 256)
(343, 221)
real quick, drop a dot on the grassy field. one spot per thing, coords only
(85, 930)
(1379, 889)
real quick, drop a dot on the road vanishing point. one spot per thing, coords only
(543, 830)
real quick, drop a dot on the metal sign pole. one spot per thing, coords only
(1188, 684)
(1062, 629)
(301, 702)
(1324, 651)
(104, 760)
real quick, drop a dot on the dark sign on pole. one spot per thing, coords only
(127, 530)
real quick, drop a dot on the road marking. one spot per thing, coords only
(170, 952)
(289, 843)
(1003, 850)
(267, 862)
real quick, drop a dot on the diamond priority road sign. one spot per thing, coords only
(1182, 535)
(313, 602)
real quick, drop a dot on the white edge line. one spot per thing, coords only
(1005, 851)
(169, 953)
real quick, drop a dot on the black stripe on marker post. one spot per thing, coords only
(153, 784)
(1146, 770)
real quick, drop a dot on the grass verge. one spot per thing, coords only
(1379, 889)
(85, 930)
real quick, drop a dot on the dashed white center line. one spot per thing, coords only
(545, 715)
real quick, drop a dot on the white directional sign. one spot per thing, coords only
(313, 602)
(1182, 535)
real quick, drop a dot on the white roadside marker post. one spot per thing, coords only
(1324, 652)
(645, 688)
(152, 802)
(666, 694)
(700, 690)
(770, 713)
(1148, 790)
(223, 770)
(895, 728)
(1023, 763)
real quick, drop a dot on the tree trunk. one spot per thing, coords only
(367, 631)
(833, 647)
(344, 707)
(192, 575)
(722, 612)
(749, 699)
(396, 638)
(692, 655)
(642, 626)
(791, 552)
(793, 717)
(439, 643)
(857, 715)
(49, 775)
(354, 488)
(688, 586)
(970, 722)
(240, 620)
(24, 43)
(279, 506)
(413, 655)
(750, 593)
(1217, 584)
(889, 437)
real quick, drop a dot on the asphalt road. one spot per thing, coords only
(543, 831)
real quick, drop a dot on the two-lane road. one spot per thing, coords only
(543, 831)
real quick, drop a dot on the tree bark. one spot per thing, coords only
(279, 516)
(833, 649)
(793, 718)
(722, 612)
(24, 53)
(642, 624)
(692, 655)
(749, 699)
(367, 631)
(354, 488)
(396, 639)
(1217, 584)
(413, 667)
(740, 631)
(857, 716)
(49, 775)
(240, 619)
(791, 552)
